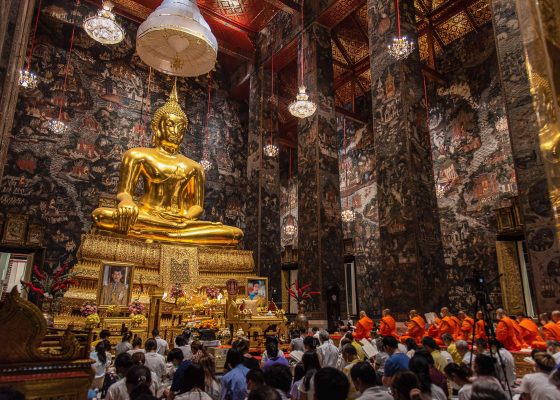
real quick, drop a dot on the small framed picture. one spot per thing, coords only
(257, 289)
(115, 284)
(35, 235)
(14, 229)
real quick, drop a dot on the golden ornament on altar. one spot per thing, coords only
(173, 196)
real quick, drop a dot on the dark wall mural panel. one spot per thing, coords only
(59, 179)
(473, 164)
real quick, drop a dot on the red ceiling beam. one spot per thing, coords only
(221, 19)
(227, 48)
(358, 69)
(288, 6)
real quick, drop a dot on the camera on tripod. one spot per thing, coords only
(477, 280)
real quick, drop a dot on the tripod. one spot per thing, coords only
(484, 304)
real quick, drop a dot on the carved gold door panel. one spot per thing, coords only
(510, 282)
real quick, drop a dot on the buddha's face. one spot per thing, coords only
(172, 128)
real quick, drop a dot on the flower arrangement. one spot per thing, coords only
(112, 309)
(212, 292)
(92, 319)
(135, 307)
(51, 284)
(207, 324)
(176, 292)
(137, 319)
(301, 293)
(88, 308)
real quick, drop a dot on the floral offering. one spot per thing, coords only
(88, 308)
(301, 293)
(51, 284)
(135, 307)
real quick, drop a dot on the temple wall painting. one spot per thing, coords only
(58, 180)
(473, 165)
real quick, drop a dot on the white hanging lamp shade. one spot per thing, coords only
(176, 40)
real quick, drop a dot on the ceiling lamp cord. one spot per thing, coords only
(145, 109)
(57, 126)
(27, 79)
(347, 214)
(290, 228)
(270, 149)
(206, 164)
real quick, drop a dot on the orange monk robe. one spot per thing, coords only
(507, 335)
(456, 326)
(480, 330)
(531, 335)
(434, 331)
(551, 331)
(519, 333)
(416, 328)
(466, 329)
(363, 328)
(388, 327)
(447, 326)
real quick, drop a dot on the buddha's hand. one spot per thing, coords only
(127, 213)
(194, 212)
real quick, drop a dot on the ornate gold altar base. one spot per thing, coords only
(156, 266)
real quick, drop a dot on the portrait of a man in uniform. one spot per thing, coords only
(116, 282)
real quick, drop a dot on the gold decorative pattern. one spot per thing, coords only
(480, 12)
(454, 28)
(337, 55)
(510, 282)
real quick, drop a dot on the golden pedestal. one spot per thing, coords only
(156, 266)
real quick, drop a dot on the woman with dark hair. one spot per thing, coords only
(102, 361)
(486, 389)
(197, 349)
(459, 375)
(272, 348)
(265, 355)
(538, 385)
(485, 368)
(193, 384)
(411, 347)
(136, 346)
(299, 373)
(421, 368)
(234, 384)
(311, 365)
(211, 384)
(438, 378)
(249, 361)
(405, 386)
(124, 345)
(138, 382)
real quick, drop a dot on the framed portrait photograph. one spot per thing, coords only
(257, 289)
(15, 228)
(115, 284)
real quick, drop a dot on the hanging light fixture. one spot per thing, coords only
(176, 40)
(57, 126)
(401, 46)
(28, 79)
(271, 150)
(102, 26)
(144, 109)
(205, 162)
(290, 228)
(302, 107)
(347, 214)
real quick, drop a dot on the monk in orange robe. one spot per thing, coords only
(556, 317)
(480, 327)
(433, 331)
(416, 327)
(363, 327)
(550, 331)
(447, 325)
(388, 325)
(466, 328)
(530, 332)
(506, 332)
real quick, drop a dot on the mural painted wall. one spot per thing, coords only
(58, 180)
(473, 165)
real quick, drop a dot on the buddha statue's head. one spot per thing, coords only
(170, 123)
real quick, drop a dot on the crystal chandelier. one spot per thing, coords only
(102, 26)
(27, 79)
(302, 107)
(176, 40)
(271, 150)
(290, 229)
(205, 163)
(440, 190)
(56, 126)
(401, 46)
(347, 215)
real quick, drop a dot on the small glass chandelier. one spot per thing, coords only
(205, 162)
(56, 126)
(28, 79)
(401, 46)
(302, 107)
(102, 26)
(347, 215)
(290, 229)
(271, 150)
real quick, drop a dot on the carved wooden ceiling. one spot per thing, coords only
(235, 24)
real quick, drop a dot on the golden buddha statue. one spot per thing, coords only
(173, 193)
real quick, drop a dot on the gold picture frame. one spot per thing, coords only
(15, 228)
(35, 235)
(119, 295)
(261, 293)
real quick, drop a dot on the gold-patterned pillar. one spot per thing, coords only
(155, 308)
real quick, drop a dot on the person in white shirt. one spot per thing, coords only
(181, 343)
(327, 352)
(136, 346)
(154, 361)
(506, 358)
(162, 345)
(537, 386)
(459, 375)
(117, 391)
(365, 381)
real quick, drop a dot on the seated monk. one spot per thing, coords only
(173, 190)
(530, 332)
(466, 328)
(416, 327)
(550, 331)
(433, 331)
(506, 332)
(556, 317)
(480, 327)
(447, 324)
(363, 327)
(457, 323)
(388, 325)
